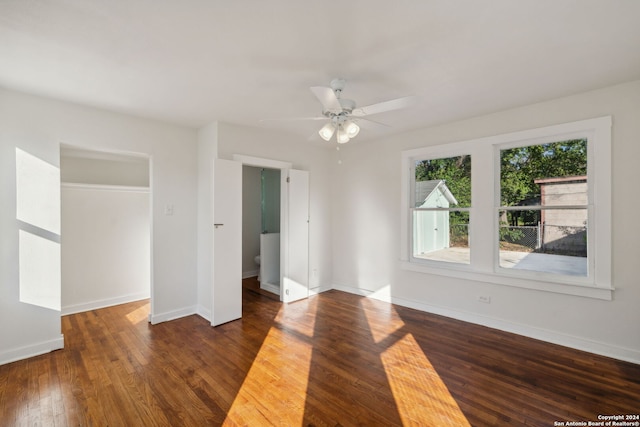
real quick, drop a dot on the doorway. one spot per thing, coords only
(106, 224)
(261, 204)
(294, 225)
(227, 235)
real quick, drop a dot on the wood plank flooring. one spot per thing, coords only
(334, 359)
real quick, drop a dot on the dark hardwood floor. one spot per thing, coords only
(334, 359)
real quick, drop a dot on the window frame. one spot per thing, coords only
(485, 202)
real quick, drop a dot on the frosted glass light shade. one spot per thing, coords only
(327, 131)
(351, 128)
(343, 136)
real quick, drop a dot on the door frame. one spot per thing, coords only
(260, 162)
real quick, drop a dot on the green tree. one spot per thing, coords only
(521, 166)
(455, 171)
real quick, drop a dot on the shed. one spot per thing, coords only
(431, 231)
(564, 231)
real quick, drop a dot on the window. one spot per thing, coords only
(441, 204)
(543, 212)
(534, 212)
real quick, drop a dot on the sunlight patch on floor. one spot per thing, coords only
(408, 370)
(380, 330)
(267, 389)
(138, 315)
(299, 317)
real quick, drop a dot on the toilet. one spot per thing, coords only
(257, 261)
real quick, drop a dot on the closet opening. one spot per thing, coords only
(105, 229)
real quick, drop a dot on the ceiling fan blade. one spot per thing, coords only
(381, 107)
(371, 124)
(327, 98)
(368, 121)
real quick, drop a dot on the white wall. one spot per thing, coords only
(366, 227)
(27, 329)
(266, 144)
(133, 173)
(38, 126)
(106, 257)
(251, 219)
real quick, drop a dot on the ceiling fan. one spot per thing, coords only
(343, 114)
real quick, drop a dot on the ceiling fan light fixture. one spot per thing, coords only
(327, 131)
(343, 114)
(343, 136)
(351, 128)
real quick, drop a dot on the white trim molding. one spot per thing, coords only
(154, 319)
(103, 303)
(261, 163)
(205, 313)
(319, 289)
(103, 187)
(15, 354)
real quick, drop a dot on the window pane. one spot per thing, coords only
(549, 240)
(554, 171)
(441, 235)
(443, 183)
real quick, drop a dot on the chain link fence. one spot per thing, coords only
(522, 235)
(545, 238)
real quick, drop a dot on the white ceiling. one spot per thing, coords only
(196, 61)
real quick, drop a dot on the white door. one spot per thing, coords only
(295, 265)
(438, 230)
(227, 242)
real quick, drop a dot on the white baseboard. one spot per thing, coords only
(251, 273)
(205, 313)
(154, 319)
(270, 287)
(108, 302)
(384, 295)
(15, 354)
(319, 289)
(578, 343)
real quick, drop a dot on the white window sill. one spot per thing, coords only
(464, 272)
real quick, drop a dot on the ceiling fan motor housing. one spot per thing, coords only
(347, 107)
(337, 84)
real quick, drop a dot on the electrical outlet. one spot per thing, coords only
(485, 299)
